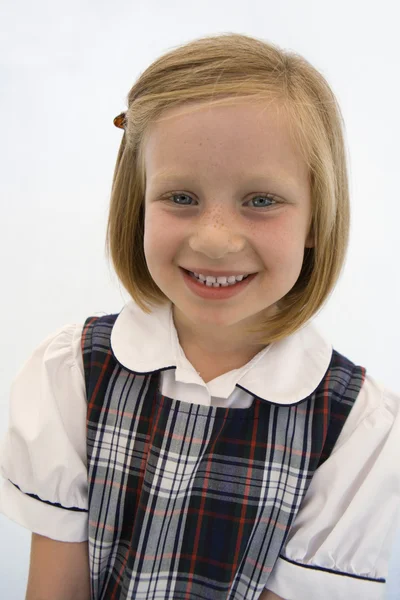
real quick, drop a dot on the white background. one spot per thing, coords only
(66, 69)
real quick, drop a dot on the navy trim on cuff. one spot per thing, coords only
(73, 508)
(316, 568)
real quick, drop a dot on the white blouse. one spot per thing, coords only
(343, 534)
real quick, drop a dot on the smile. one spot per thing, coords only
(212, 290)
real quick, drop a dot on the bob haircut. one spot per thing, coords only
(219, 70)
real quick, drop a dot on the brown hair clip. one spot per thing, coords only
(120, 121)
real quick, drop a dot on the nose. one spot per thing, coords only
(216, 240)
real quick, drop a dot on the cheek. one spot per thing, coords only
(282, 251)
(152, 229)
(160, 238)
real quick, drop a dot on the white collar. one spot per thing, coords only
(284, 372)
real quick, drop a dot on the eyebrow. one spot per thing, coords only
(281, 177)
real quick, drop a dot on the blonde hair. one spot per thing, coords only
(218, 69)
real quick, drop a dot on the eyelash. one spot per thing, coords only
(267, 196)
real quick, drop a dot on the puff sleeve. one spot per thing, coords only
(340, 543)
(43, 454)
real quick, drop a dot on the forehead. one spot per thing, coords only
(247, 136)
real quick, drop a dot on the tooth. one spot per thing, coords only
(223, 280)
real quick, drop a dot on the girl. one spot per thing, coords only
(206, 442)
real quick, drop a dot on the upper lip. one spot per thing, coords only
(213, 273)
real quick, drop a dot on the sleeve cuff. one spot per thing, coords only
(39, 517)
(294, 581)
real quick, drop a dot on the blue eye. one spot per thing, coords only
(171, 196)
(268, 197)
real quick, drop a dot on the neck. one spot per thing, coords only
(224, 345)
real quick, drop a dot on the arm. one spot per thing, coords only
(268, 595)
(58, 570)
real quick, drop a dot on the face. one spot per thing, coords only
(226, 190)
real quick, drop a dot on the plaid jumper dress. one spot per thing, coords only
(195, 502)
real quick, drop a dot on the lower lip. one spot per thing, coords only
(213, 293)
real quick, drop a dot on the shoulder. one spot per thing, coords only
(376, 408)
(61, 347)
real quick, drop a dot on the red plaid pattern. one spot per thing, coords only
(196, 502)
